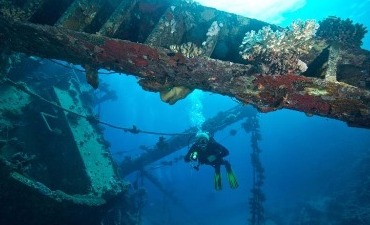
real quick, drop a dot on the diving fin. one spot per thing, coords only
(232, 179)
(218, 183)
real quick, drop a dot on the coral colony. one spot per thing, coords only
(279, 52)
(191, 50)
(343, 32)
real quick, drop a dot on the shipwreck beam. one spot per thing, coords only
(160, 69)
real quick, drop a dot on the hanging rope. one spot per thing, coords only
(91, 118)
(258, 197)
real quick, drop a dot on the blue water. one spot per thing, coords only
(307, 159)
(303, 156)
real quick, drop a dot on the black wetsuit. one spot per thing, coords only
(212, 154)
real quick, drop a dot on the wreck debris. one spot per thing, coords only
(119, 17)
(7, 59)
(160, 187)
(44, 117)
(80, 14)
(212, 38)
(20, 12)
(159, 69)
(12, 103)
(191, 50)
(169, 29)
(93, 152)
(91, 149)
(334, 57)
(53, 177)
(340, 35)
(53, 203)
(91, 76)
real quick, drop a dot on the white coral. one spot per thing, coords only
(280, 49)
(189, 49)
(214, 29)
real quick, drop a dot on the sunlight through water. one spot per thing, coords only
(270, 11)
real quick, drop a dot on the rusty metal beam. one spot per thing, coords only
(80, 14)
(20, 12)
(120, 16)
(161, 69)
(32, 6)
(169, 29)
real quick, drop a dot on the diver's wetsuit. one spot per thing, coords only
(212, 154)
(205, 155)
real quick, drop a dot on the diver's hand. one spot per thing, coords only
(194, 156)
(211, 158)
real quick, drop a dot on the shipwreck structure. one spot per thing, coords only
(136, 37)
(174, 47)
(55, 166)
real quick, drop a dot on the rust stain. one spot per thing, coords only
(309, 104)
(279, 81)
(125, 55)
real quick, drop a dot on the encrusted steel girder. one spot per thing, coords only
(160, 70)
(120, 16)
(80, 14)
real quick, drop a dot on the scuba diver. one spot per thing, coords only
(207, 151)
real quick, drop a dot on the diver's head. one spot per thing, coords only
(202, 138)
